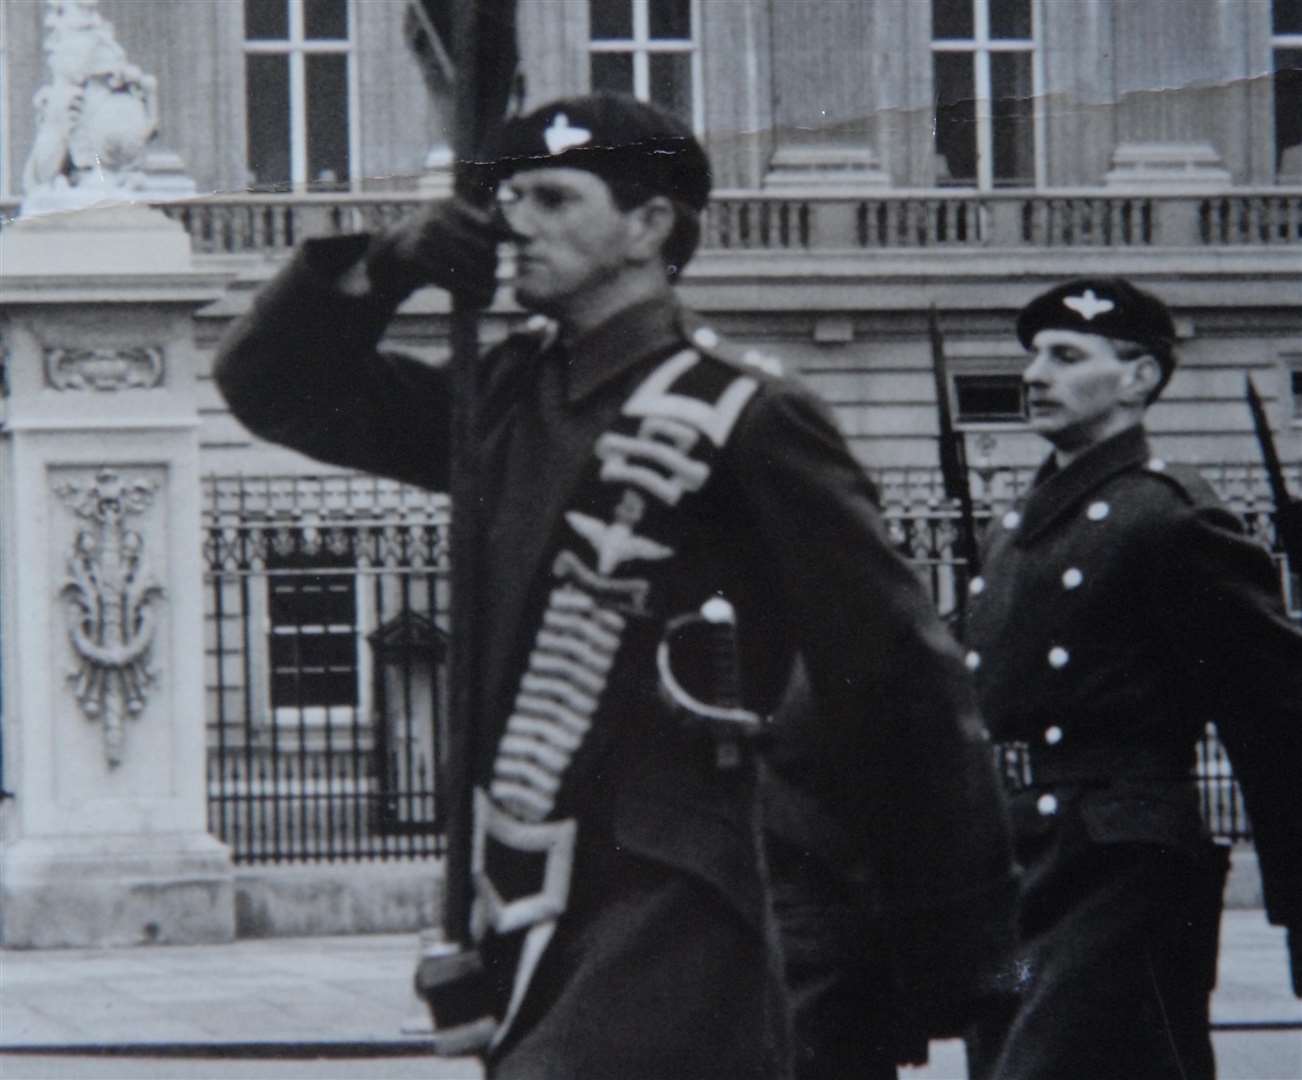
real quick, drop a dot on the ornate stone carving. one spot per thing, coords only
(138, 367)
(111, 602)
(97, 114)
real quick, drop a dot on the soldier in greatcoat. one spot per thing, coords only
(1121, 608)
(635, 467)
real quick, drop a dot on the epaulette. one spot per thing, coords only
(711, 343)
(1185, 480)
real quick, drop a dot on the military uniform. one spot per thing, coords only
(1119, 610)
(662, 962)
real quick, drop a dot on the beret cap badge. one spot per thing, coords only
(561, 135)
(1088, 305)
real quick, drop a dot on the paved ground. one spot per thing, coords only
(337, 1007)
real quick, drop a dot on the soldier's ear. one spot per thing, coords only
(652, 224)
(1142, 378)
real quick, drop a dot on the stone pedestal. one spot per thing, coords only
(105, 841)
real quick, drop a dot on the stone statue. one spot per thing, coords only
(97, 115)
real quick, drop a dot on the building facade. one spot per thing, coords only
(873, 158)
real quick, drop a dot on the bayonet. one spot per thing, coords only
(1288, 511)
(953, 454)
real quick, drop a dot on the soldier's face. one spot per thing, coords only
(1076, 388)
(569, 234)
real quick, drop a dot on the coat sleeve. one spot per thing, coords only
(1243, 657)
(901, 756)
(303, 368)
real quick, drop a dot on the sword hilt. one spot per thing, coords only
(723, 715)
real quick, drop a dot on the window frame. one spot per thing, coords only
(6, 128)
(641, 45)
(297, 47)
(1278, 43)
(981, 46)
(983, 358)
(262, 663)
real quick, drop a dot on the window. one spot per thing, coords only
(985, 89)
(4, 105)
(989, 398)
(1295, 389)
(299, 84)
(312, 634)
(647, 48)
(1286, 45)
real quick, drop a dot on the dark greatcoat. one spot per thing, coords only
(664, 964)
(1121, 608)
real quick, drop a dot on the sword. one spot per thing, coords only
(1288, 511)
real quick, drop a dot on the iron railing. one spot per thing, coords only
(325, 601)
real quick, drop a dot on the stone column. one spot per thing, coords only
(105, 841)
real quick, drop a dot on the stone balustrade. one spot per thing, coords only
(809, 223)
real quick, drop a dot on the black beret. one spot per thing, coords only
(1110, 307)
(616, 136)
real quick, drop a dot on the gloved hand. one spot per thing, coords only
(1295, 958)
(448, 243)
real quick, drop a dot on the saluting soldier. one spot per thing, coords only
(634, 467)
(1120, 610)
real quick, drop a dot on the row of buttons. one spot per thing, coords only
(1072, 578)
(1058, 657)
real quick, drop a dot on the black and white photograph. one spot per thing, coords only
(651, 539)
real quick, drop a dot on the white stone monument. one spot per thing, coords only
(105, 839)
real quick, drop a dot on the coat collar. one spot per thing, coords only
(1056, 492)
(629, 336)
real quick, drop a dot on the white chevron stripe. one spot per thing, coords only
(588, 629)
(519, 769)
(551, 733)
(520, 801)
(545, 663)
(581, 651)
(553, 710)
(560, 691)
(514, 744)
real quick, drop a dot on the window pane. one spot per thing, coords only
(268, 121)
(266, 20)
(610, 19)
(956, 146)
(1012, 106)
(1288, 114)
(671, 18)
(1010, 19)
(989, 398)
(311, 600)
(612, 71)
(327, 120)
(671, 83)
(1295, 382)
(951, 19)
(1287, 17)
(325, 19)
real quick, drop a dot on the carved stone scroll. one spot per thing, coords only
(111, 602)
(137, 368)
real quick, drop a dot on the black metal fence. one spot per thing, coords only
(327, 600)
